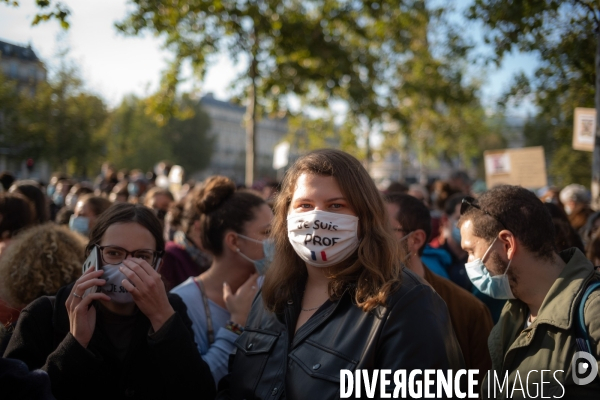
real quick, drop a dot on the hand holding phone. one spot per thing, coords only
(92, 261)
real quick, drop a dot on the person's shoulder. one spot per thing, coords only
(185, 286)
(47, 303)
(411, 287)
(177, 302)
(448, 289)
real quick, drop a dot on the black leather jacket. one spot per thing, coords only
(271, 362)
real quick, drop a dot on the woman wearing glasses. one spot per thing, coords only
(126, 340)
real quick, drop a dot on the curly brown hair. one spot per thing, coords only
(38, 262)
(518, 210)
(374, 270)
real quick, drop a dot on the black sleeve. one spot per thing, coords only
(33, 343)
(418, 334)
(181, 362)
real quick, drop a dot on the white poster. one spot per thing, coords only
(497, 164)
(584, 129)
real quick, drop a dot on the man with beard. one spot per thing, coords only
(509, 237)
(471, 320)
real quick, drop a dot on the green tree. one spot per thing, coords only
(291, 47)
(10, 101)
(411, 62)
(133, 139)
(191, 145)
(47, 10)
(424, 101)
(58, 123)
(565, 36)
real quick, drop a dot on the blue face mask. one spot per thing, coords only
(50, 190)
(456, 234)
(268, 251)
(79, 224)
(133, 189)
(58, 199)
(496, 286)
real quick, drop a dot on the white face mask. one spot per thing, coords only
(322, 238)
(568, 210)
(113, 287)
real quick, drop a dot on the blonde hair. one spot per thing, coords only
(372, 272)
(38, 262)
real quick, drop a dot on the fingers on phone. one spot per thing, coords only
(83, 306)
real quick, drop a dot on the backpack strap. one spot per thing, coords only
(582, 338)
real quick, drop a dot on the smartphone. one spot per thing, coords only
(91, 262)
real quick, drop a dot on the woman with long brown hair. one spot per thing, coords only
(335, 296)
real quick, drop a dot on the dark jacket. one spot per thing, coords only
(17, 382)
(471, 321)
(163, 365)
(271, 362)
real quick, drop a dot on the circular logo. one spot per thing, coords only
(584, 368)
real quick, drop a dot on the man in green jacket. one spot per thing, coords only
(509, 237)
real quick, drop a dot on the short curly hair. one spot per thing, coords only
(518, 210)
(38, 262)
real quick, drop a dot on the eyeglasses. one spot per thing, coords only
(469, 202)
(115, 255)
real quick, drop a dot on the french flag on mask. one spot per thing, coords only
(322, 255)
(322, 238)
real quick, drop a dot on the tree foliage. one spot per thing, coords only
(563, 34)
(48, 9)
(57, 123)
(133, 139)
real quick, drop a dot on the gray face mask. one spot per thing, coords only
(114, 287)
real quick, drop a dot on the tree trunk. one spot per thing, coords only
(251, 126)
(596, 155)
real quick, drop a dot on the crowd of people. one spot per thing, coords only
(212, 290)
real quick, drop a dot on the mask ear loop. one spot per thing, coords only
(249, 238)
(488, 250)
(509, 261)
(405, 237)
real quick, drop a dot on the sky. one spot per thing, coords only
(113, 65)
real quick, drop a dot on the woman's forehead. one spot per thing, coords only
(128, 235)
(313, 185)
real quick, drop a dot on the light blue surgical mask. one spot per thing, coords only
(50, 190)
(456, 234)
(58, 199)
(79, 224)
(262, 264)
(496, 286)
(133, 189)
